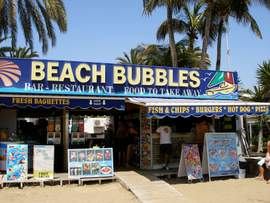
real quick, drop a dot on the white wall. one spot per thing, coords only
(8, 119)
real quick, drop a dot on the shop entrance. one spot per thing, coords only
(40, 127)
(100, 128)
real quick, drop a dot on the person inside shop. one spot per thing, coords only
(165, 145)
(132, 138)
(109, 135)
(121, 138)
(202, 126)
(264, 164)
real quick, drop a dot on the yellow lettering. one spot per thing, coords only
(37, 71)
(147, 74)
(183, 77)
(67, 73)
(195, 79)
(137, 78)
(78, 73)
(52, 71)
(98, 73)
(119, 75)
(161, 77)
(171, 82)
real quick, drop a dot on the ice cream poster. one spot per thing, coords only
(192, 161)
(222, 154)
(17, 162)
(90, 162)
(43, 161)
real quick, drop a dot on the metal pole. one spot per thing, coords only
(65, 138)
(228, 54)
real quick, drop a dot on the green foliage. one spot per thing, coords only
(14, 52)
(23, 52)
(159, 55)
(4, 49)
(189, 22)
(134, 57)
(263, 76)
(29, 14)
(170, 25)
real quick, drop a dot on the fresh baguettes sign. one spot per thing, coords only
(36, 76)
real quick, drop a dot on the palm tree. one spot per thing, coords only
(258, 95)
(4, 49)
(239, 10)
(23, 52)
(171, 7)
(261, 93)
(209, 14)
(32, 13)
(191, 24)
(190, 57)
(158, 55)
(134, 57)
(209, 4)
(263, 76)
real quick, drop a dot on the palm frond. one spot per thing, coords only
(177, 25)
(25, 22)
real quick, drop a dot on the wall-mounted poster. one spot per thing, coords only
(77, 138)
(43, 161)
(90, 162)
(220, 153)
(145, 141)
(57, 124)
(190, 162)
(17, 157)
(51, 125)
(54, 138)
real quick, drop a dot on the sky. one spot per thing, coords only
(100, 31)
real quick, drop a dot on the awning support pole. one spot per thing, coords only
(65, 138)
(242, 135)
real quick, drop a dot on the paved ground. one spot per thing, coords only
(109, 192)
(249, 190)
(149, 189)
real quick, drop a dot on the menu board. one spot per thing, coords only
(190, 162)
(43, 161)
(222, 156)
(17, 157)
(92, 162)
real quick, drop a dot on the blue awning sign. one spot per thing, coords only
(54, 77)
(198, 111)
(62, 102)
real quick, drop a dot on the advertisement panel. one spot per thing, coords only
(190, 162)
(17, 162)
(222, 156)
(92, 162)
(36, 76)
(43, 161)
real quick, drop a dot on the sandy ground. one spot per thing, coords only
(226, 191)
(105, 193)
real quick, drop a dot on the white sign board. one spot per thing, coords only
(43, 161)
